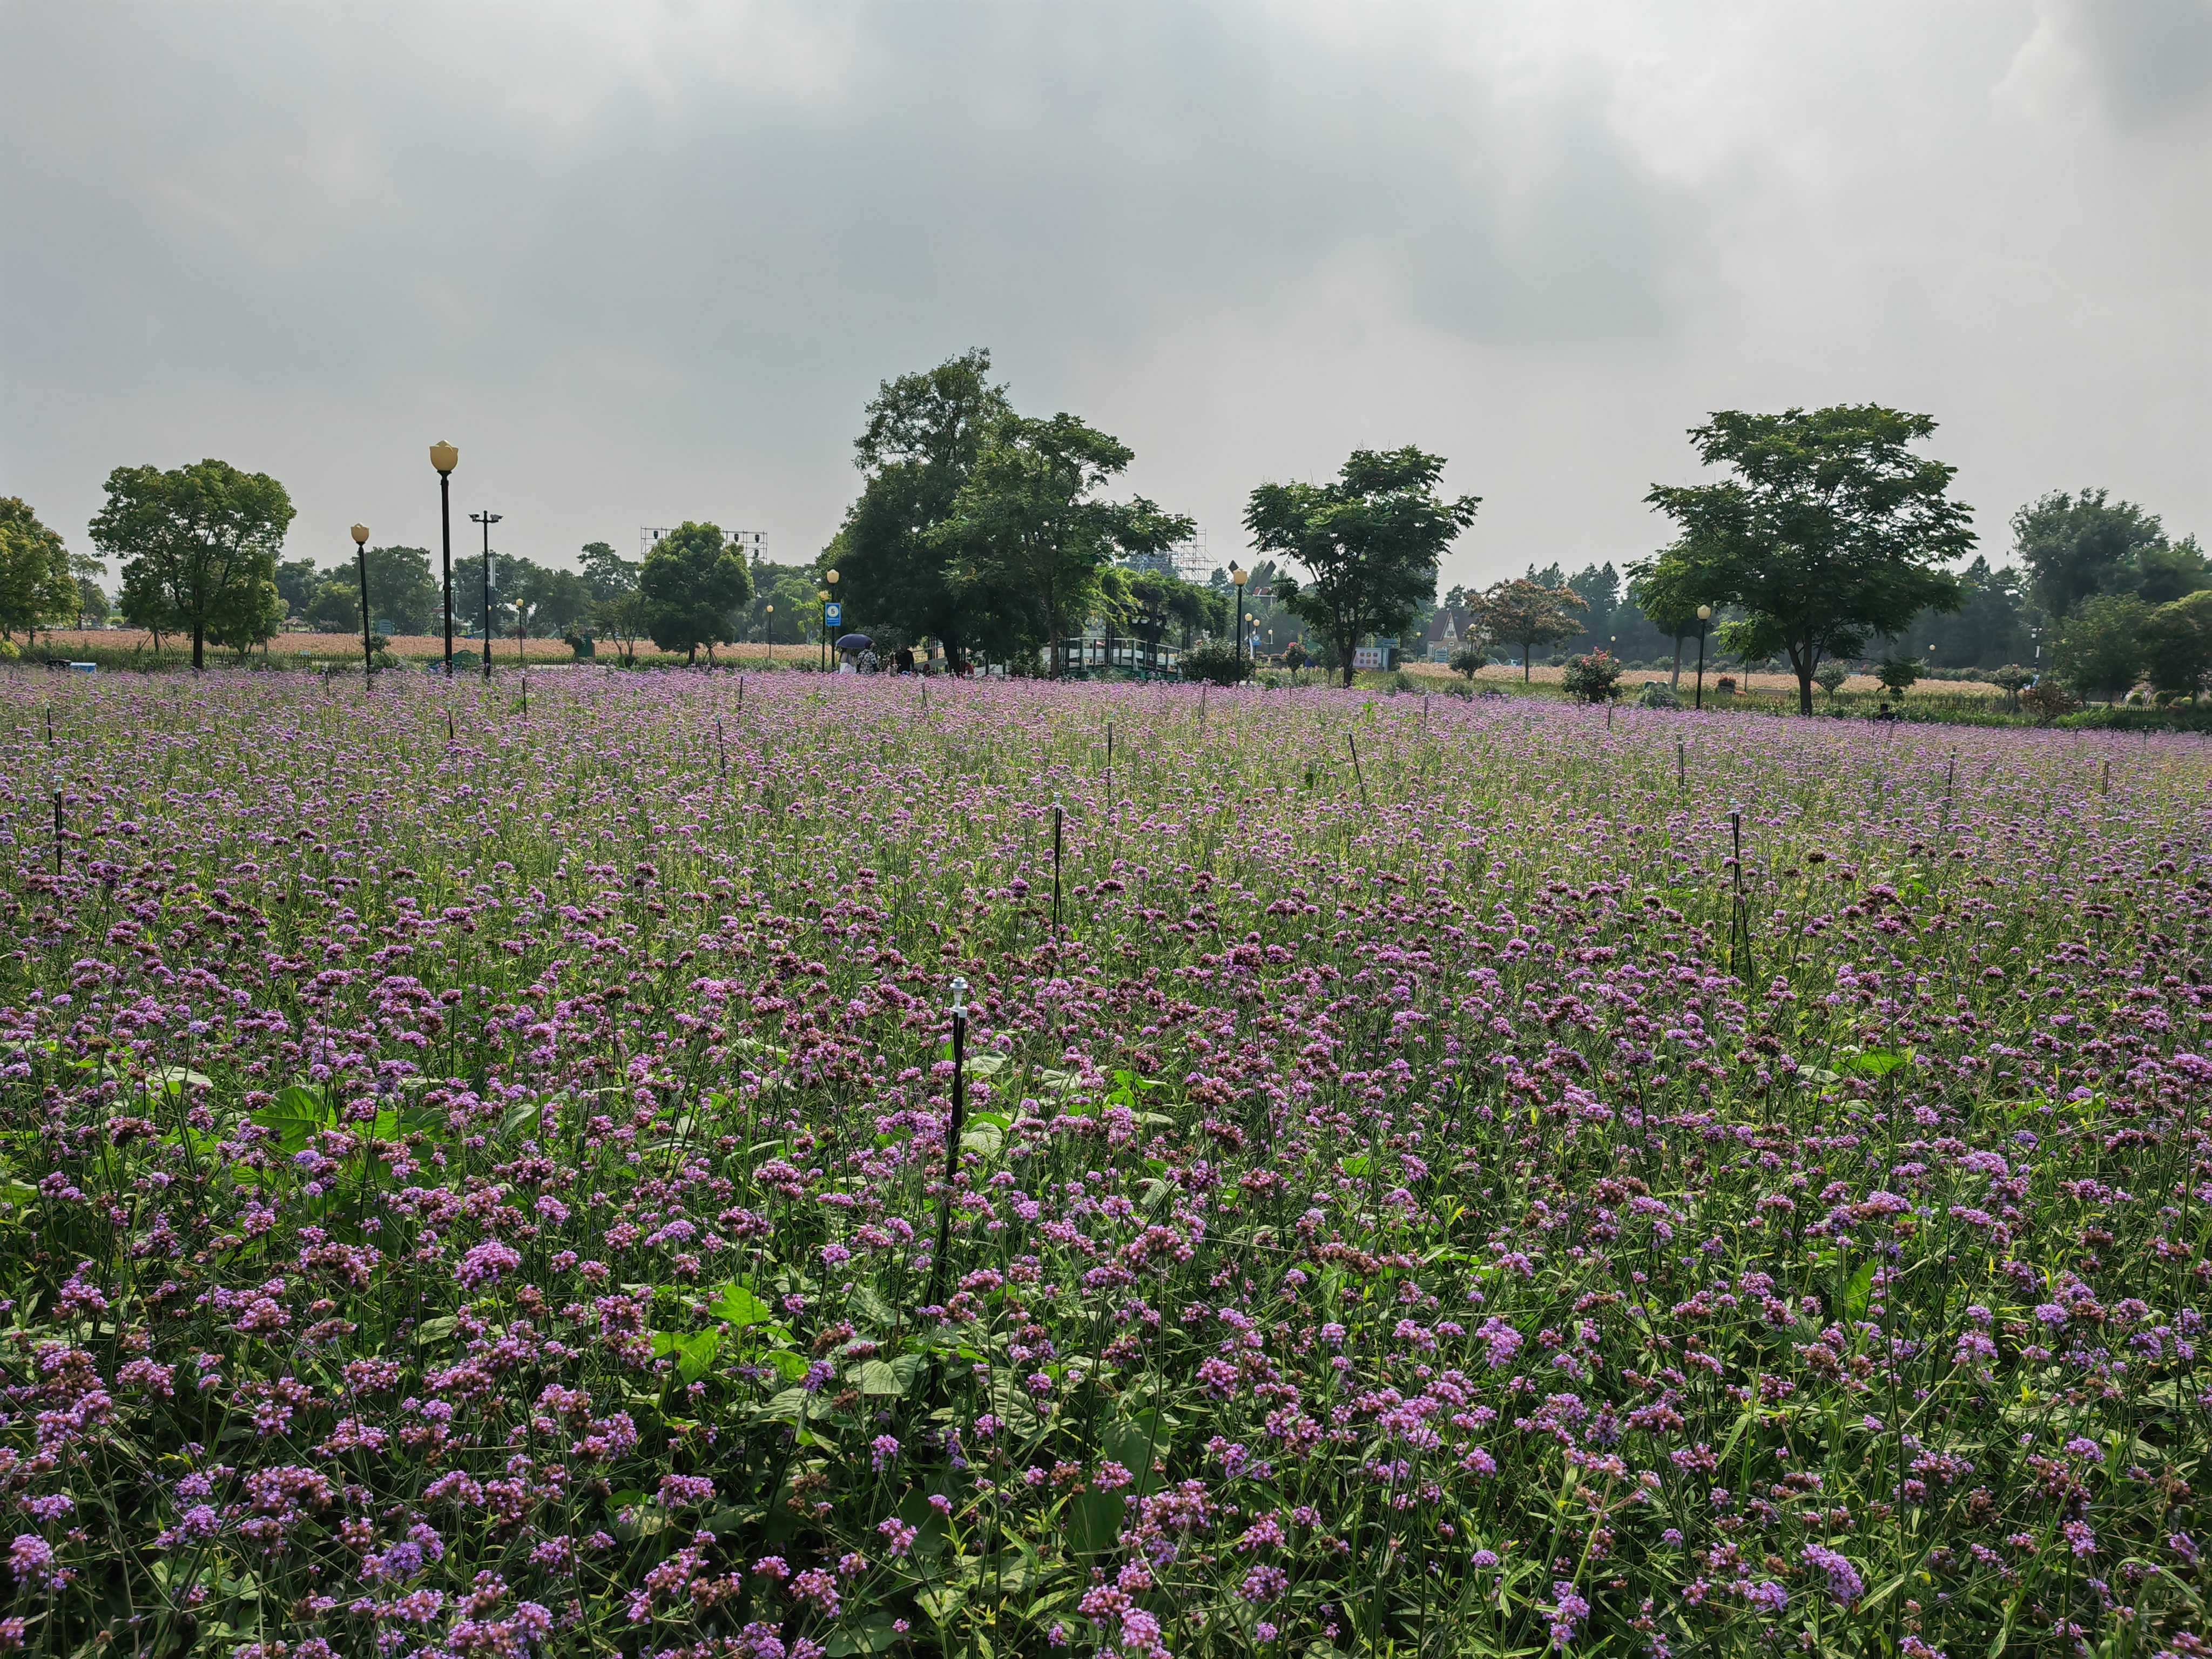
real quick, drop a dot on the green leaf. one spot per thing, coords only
(299, 1113)
(889, 1378)
(175, 1080)
(739, 1307)
(1094, 1521)
(872, 1635)
(1878, 1063)
(984, 1138)
(1133, 1442)
(435, 1330)
(791, 1365)
(1859, 1291)
(872, 1307)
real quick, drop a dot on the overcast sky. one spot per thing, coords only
(646, 262)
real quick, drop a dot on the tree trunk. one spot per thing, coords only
(1805, 691)
(1528, 650)
(1676, 683)
(198, 656)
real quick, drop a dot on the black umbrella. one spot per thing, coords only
(856, 642)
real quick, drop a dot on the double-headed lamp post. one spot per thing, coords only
(1704, 615)
(487, 520)
(361, 558)
(445, 457)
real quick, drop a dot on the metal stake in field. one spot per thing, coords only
(952, 1136)
(57, 827)
(1682, 767)
(1740, 922)
(2108, 776)
(1350, 743)
(1110, 772)
(719, 749)
(1058, 814)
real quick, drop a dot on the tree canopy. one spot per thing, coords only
(198, 545)
(1527, 613)
(1029, 537)
(691, 585)
(2076, 546)
(2101, 645)
(38, 584)
(1370, 541)
(1830, 529)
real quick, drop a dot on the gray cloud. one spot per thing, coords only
(646, 262)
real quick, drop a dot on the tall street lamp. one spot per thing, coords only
(1239, 577)
(487, 520)
(361, 557)
(1704, 615)
(828, 594)
(445, 457)
(767, 636)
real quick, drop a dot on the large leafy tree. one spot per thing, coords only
(38, 580)
(2177, 638)
(1029, 539)
(1370, 541)
(198, 545)
(924, 433)
(690, 586)
(607, 574)
(1529, 613)
(2101, 646)
(1831, 528)
(2076, 546)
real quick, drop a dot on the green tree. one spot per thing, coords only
(545, 602)
(2077, 546)
(402, 589)
(298, 580)
(692, 583)
(1830, 529)
(1898, 674)
(38, 587)
(1525, 613)
(1468, 659)
(924, 435)
(1831, 679)
(335, 607)
(1030, 540)
(2101, 645)
(1370, 541)
(607, 574)
(1671, 609)
(1599, 585)
(253, 612)
(2178, 644)
(622, 618)
(91, 602)
(197, 543)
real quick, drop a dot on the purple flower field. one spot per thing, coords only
(483, 1196)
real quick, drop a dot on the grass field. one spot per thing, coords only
(1449, 1181)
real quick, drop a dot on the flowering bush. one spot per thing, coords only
(1594, 676)
(501, 1194)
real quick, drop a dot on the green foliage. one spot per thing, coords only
(1530, 613)
(1594, 676)
(335, 608)
(1830, 678)
(1218, 661)
(92, 606)
(2077, 547)
(253, 614)
(2178, 644)
(1030, 539)
(1831, 528)
(1468, 659)
(2100, 647)
(1898, 674)
(37, 585)
(690, 585)
(606, 573)
(403, 589)
(198, 545)
(1370, 541)
(298, 581)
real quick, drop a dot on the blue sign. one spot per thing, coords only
(833, 616)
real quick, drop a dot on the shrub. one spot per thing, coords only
(1655, 696)
(1217, 661)
(1594, 677)
(1831, 677)
(1469, 660)
(2047, 700)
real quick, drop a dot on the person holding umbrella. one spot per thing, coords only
(849, 648)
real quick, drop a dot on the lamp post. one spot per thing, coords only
(487, 520)
(445, 457)
(1704, 615)
(1239, 577)
(767, 636)
(361, 558)
(822, 599)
